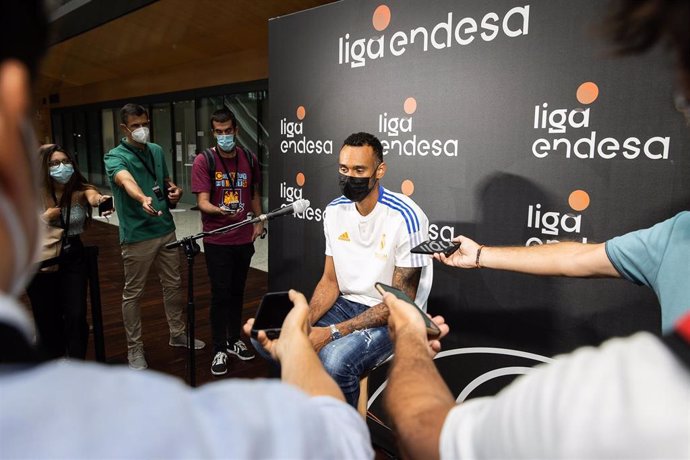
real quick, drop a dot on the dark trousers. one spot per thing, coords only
(227, 267)
(58, 301)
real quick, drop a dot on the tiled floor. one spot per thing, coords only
(188, 222)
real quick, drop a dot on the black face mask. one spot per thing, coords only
(356, 188)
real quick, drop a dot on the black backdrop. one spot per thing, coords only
(520, 132)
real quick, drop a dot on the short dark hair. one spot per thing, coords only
(23, 32)
(362, 139)
(132, 110)
(222, 116)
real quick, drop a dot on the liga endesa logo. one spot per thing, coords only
(593, 145)
(397, 136)
(455, 31)
(291, 193)
(294, 139)
(552, 223)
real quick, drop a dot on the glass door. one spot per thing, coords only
(81, 152)
(161, 134)
(185, 138)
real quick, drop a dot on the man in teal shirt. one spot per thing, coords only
(143, 194)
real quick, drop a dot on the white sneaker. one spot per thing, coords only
(219, 366)
(240, 350)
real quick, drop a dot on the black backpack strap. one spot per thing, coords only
(211, 163)
(250, 158)
(211, 166)
(678, 341)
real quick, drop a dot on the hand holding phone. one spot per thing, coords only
(434, 246)
(106, 206)
(273, 309)
(147, 205)
(168, 189)
(432, 329)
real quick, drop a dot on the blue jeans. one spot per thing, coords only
(350, 357)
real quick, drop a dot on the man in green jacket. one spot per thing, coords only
(143, 195)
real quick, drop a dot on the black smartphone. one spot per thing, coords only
(105, 206)
(432, 329)
(432, 246)
(166, 187)
(273, 309)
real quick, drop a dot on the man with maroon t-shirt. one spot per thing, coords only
(224, 196)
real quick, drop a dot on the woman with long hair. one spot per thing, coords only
(58, 297)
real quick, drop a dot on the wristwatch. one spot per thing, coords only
(335, 333)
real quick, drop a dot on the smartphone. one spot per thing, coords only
(432, 329)
(431, 246)
(166, 187)
(105, 206)
(273, 309)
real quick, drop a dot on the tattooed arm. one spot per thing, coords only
(405, 279)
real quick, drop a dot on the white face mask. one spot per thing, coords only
(141, 135)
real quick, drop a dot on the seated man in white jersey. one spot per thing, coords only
(369, 233)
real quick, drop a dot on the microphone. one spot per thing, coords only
(298, 207)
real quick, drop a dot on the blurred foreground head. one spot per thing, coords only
(22, 42)
(634, 26)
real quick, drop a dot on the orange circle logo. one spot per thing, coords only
(407, 187)
(301, 112)
(381, 18)
(587, 92)
(300, 179)
(410, 105)
(579, 200)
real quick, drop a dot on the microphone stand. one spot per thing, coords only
(191, 249)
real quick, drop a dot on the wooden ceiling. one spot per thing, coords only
(165, 35)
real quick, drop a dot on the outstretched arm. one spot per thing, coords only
(416, 397)
(125, 180)
(94, 197)
(557, 259)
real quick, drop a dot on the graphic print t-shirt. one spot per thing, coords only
(243, 177)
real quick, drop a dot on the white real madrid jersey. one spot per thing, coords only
(366, 249)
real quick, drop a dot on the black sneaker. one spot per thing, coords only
(240, 350)
(219, 366)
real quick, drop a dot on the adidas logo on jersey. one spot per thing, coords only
(344, 237)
